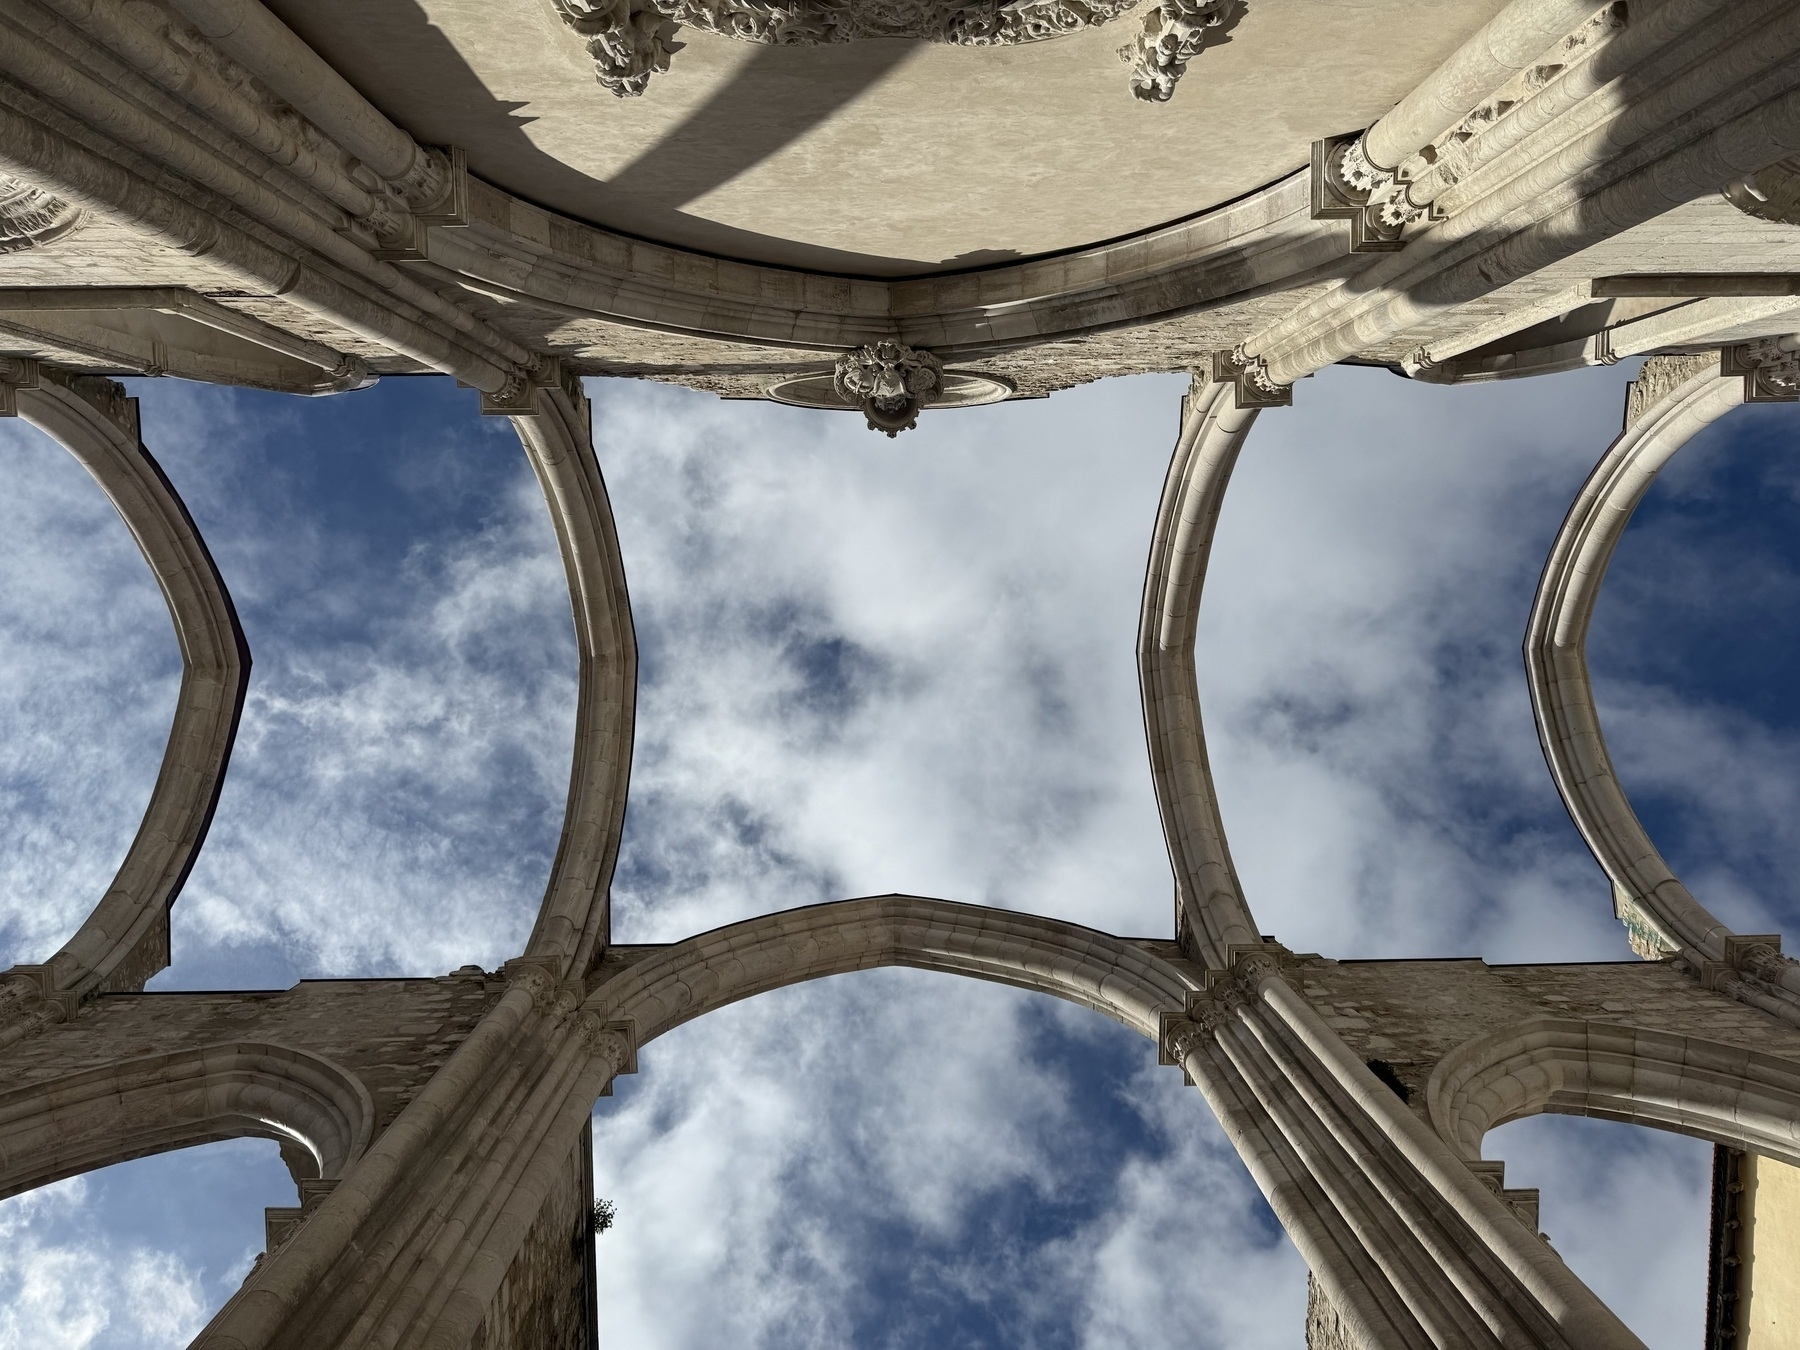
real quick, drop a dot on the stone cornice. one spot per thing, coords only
(523, 255)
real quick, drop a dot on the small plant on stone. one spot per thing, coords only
(602, 1217)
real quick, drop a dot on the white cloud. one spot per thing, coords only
(1359, 659)
(908, 665)
(899, 1158)
(1627, 1208)
(402, 763)
(88, 1294)
(88, 674)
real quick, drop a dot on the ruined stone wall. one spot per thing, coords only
(546, 1301)
(391, 1034)
(1325, 1330)
(1410, 1014)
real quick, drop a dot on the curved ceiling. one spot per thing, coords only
(889, 157)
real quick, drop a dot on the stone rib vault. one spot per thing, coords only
(306, 198)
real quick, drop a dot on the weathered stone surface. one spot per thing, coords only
(547, 1297)
(1414, 1013)
(1325, 1330)
(197, 187)
(392, 1034)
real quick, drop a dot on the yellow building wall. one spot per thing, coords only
(1769, 1297)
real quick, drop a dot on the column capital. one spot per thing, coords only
(1249, 379)
(1771, 371)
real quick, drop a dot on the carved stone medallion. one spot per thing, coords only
(631, 40)
(891, 383)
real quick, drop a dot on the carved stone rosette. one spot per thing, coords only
(891, 382)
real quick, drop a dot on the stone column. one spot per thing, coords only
(1408, 1245)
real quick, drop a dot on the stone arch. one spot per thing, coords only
(1134, 982)
(1211, 916)
(573, 921)
(321, 1114)
(1661, 918)
(1687, 1084)
(126, 938)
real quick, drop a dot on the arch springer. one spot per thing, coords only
(614, 1043)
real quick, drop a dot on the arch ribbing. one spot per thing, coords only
(1724, 1093)
(573, 922)
(666, 986)
(136, 1107)
(126, 938)
(513, 1099)
(1211, 915)
(1660, 915)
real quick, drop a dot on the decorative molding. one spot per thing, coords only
(518, 396)
(614, 1043)
(16, 373)
(1251, 966)
(537, 977)
(1454, 155)
(956, 389)
(1646, 935)
(1771, 372)
(1348, 185)
(281, 1222)
(1419, 364)
(1249, 378)
(1771, 194)
(628, 43)
(437, 193)
(891, 382)
(1210, 1007)
(632, 40)
(30, 216)
(1523, 1201)
(30, 1001)
(1378, 200)
(1750, 956)
(1179, 1036)
(1174, 33)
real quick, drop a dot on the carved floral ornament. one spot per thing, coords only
(891, 383)
(631, 40)
(1215, 1005)
(1770, 368)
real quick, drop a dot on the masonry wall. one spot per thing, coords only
(1410, 1014)
(546, 1301)
(393, 1035)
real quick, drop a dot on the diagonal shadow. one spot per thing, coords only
(771, 101)
(779, 95)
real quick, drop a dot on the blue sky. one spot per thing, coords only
(874, 665)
